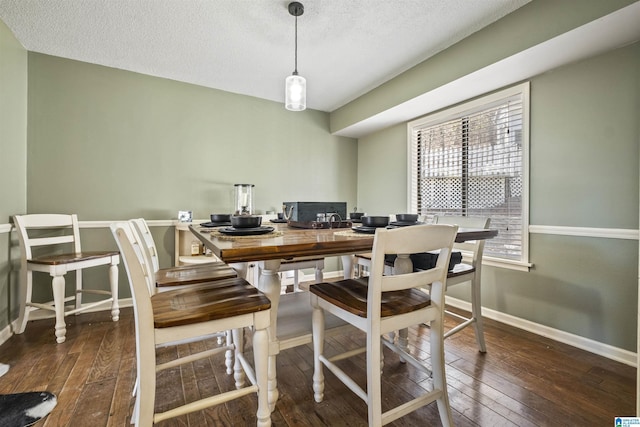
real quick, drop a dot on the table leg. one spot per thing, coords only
(269, 283)
(241, 268)
(347, 265)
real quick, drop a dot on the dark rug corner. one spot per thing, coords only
(25, 409)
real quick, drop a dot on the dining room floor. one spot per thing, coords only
(523, 379)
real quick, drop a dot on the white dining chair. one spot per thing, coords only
(50, 243)
(166, 278)
(468, 271)
(381, 304)
(189, 313)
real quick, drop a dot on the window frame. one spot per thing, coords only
(456, 112)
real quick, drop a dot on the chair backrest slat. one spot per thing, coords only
(148, 244)
(41, 222)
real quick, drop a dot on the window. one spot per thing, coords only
(472, 160)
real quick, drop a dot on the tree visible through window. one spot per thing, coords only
(470, 161)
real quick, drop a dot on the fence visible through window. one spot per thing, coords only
(472, 165)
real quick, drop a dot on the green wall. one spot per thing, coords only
(584, 141)
(112, 144)
(13, 158)
(109, 144)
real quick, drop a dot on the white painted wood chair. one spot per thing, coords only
(381, 304)
(50, 243)
(186, 314)
(468, 272)
(165, 278)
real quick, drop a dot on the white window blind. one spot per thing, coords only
(470, 161)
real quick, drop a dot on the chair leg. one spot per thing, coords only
(403, 342)
(136, 405)
(146, 390)
(58, 285)
(238, 372)
(318, 348)
(436, 342)
(228, 355)
(261, 363)
(113, 281)
(296, 281)
(476, 313)
(319, 274)
(78, 290)
(374, 380)
(25, 298)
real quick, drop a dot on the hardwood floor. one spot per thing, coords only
(522, 380)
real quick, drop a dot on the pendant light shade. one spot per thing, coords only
(295, 93)
(295, 86)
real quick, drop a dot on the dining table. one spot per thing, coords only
(291, 312)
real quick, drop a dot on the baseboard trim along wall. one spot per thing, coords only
(604, 350)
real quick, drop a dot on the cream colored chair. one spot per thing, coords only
(465, 272)
(381, 304)
(468, 272)
(165, 278)
(50, 243)
(186, 314)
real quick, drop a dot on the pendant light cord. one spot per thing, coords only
(295, 68)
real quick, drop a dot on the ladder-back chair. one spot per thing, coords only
(50, 243)
(381, 304)
(186, 314)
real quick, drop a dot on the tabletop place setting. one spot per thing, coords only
(370, 223)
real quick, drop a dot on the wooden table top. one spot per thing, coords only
(289, 243)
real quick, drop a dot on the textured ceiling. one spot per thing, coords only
(345, 47)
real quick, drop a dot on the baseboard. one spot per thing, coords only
(604, 350)
(5, 334)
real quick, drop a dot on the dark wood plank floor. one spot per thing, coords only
(523, 380)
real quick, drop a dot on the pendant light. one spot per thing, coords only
(295, 89)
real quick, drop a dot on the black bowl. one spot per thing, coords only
(220, 217)
(246, 221)
(356, 215)
(407, 217)
(375, 221)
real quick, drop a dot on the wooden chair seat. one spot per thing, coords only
(68, 258)
(351, 295)
(191, 274)
(461, 269)
(207, 301)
